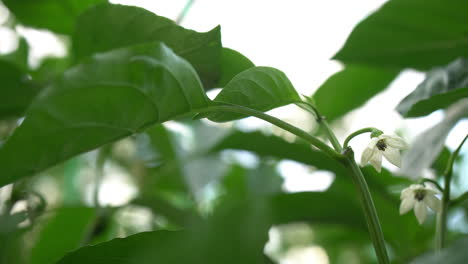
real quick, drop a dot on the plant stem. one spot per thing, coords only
(346, 158)
(356, 133)
(277, 122)
(99, 173)
(436, 184)
(184, 12)
(441, 229)
(459, 200)
(370, 212)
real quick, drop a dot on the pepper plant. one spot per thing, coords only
(130, 73)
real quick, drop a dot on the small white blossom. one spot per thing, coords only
(419, 197)
(386, 145)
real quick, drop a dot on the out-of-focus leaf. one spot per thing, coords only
(65, 231)
(274, 146)
(442, 87)
(107, 27)
(17, 90)
(58, 16)
(50, 68)
(110, 96)
(19, 57)
(232, 63)
(428, 144)
(440, 163)
(351, 88)
(454, 254)
(260, 88)
(235, 232)
(417, 34)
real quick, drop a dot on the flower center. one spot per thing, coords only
(419, 194)
(381, 145)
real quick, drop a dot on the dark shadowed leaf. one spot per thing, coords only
(58, 16)
(260, 88)
(106, 27)
(110, 96)
(232, 63)
(17, 90)
(442, 87)
(65, 231)
(417, 34)
(454, 254)
(351, 88)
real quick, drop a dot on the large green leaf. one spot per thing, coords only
(351, 88)
(107, 27)
(55, 15)
(66, 230)
(17, 90)
(110, 96)
(232, 63)
(235, 233)
(442, 87)
(19, 57)
(260, 88)
(418, 34)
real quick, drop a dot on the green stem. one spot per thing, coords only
(360, 131)
(437, 185)
(370, 212)
(277, 122)
(184, 12)
(441, 229)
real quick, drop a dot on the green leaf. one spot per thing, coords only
(110, 96)
(65, 231)
(454, 254)
(106, 27)
(274, 146)
(260, 88)
(236, 232)
(17, 90)
(56, 15)
(442, 87)
(351, 88)
(417, 34)
(50, 69)
(232, 63)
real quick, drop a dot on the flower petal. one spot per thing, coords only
(407, 192)
(406, 205)
(433, 203)
(394, 141)
(376, 160)
(420, 211)
(369, 151)
(393, 155)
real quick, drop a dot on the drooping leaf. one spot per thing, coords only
(426, 148)
(106, 27)
(58, 16)
(65, 231)
(259, 88)
(17, 90)
(417, 34)
(351, 88)
(453, 254)
(442, 87)
(50, 68)
(232, 63)
(110, 96)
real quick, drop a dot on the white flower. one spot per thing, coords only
(419, 197)
(386, 145)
